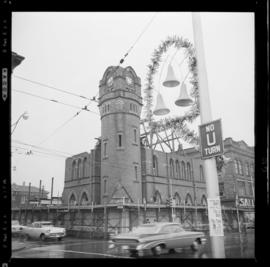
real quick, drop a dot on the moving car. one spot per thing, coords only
(157, 237)
(43, 230)
(16, 228)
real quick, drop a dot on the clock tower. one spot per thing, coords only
(120, 104)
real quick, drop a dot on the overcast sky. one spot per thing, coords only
(71, 51)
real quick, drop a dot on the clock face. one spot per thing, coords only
(129, 80)
(110, 81)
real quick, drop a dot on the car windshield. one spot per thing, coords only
(145, 229)
(47, 224)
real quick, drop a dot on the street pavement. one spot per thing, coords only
(236, 246)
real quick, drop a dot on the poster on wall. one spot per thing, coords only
(215, 217)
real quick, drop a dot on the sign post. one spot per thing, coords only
(211, 177)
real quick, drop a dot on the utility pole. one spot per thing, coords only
(217, 240)
(29, 193)
(39, 192)
(52, 190)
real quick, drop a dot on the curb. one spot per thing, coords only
(18, 249)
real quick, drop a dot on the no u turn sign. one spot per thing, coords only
(211, 139)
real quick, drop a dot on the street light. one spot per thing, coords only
(25, 116)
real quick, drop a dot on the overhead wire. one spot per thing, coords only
(53, 100)
(51, 87)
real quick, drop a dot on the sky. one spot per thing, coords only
(71, 51)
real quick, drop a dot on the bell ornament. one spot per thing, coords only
(183, 100)
(160, 108)
(171, 80)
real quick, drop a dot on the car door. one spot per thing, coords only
(170, 236)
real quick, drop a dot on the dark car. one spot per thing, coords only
(156, 237)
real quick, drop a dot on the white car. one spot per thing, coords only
(16, 228)
(43, 230)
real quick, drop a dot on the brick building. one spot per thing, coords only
(20, 195)
(122, 170)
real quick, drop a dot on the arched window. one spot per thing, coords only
(177, 199)
(79, 170)
(201, 174)
(247, 169)
(183, 169)
(84, 199)
(85, 167)
(73, 175)
(157, 197)
(72, 200)
(236, 166)
(240, 167)
(188, 200)
(177, 169)
(155, 165)
(203, 201)
(171, 168)
(188, 172)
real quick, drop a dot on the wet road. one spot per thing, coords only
(236, 246)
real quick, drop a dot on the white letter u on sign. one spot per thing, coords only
(213, 141)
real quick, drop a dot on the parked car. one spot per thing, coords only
(157, 237)
(16, 228)
(43, 230)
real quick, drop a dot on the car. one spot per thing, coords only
(157, 237)
(43, 230)
(16, 228)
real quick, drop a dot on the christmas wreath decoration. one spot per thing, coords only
(179, 124)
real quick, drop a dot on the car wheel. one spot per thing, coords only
(171, 251)
(42, 237)
(196, 245)
(59, 238)
(157, 250)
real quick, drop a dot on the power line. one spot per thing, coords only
(52, 87)
(39, 147)
(55, 101)
(62, 125)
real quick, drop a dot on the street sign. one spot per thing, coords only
(215, 217)
(211, 139)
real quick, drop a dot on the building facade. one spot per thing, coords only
(121, 170)
(20, 195)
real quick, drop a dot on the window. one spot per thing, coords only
(105, 186)
(247, 169)
(236, 166)
(177, 169)
(155, 166)
(108, 109)
(188, 172)
(84, 199)
(221, 189)
(250, 188)
(79, 169)
(171, 168)
(204, 200)
(84, 167)
(240, 167)
(157, 197)
(241, 188)
(201, 174)
(73, 175)
(135, 135)
(188, 200)
(72, 200)
(183, 169)
(119, 140)
(136, 172)
(251, 169)
(177, 199)
(105, 149)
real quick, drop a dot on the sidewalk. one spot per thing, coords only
(17, 245)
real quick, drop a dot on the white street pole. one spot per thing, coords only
(217, 242)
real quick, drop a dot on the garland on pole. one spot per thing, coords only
(179, 124)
